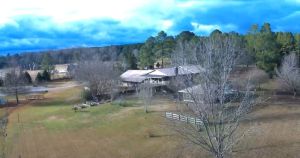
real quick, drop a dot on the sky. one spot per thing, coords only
(34, 25)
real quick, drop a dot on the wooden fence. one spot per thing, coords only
(183, 118)
(35, 97)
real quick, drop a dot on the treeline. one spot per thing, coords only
(262, 47)
(34, 60)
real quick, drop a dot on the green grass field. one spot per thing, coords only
(44, 126)
(2, 112)
(50, 128)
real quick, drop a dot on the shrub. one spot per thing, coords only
(39, 78)
(86, 95)
(46, 75)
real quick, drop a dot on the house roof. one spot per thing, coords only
(135, 75)
(182, 70)
(141, 75)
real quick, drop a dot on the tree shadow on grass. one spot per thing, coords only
(278, 145)
(50, 102)
(272, 118)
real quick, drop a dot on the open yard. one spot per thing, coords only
(51, 129)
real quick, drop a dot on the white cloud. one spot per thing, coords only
(167, 24)
(137, 13)
(205, 5)
(207, 28)
(204, 28)
(70, 10)
(19, 42)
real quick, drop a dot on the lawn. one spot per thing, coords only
(2, 112)
(52, 129)
(49, 128)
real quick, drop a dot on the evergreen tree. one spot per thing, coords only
(46, 76)
(160, 51)
(265, 47)
(147, 55)
(286, 42)
(39, 78)
(47, 62)
(185, 36)
(297, 43)
(251, 39)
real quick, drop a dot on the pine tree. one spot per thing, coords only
(47, 62)
(39, 78)
(264, 46)
(46, 76)
(147, 55)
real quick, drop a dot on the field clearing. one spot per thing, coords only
(2, 112)
(275, 132)
(49, 128)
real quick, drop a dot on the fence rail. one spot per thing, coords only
(183, 118)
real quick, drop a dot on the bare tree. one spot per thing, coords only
(184, 53)
(288, 74)
(258, 77)
(209, 102)
(14, 81)
(145, 92)
(101, 77)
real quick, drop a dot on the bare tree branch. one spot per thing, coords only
(211, 98)
(102, 77)
(288, 74)
(145, 92)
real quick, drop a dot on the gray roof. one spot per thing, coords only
(135, 75)
(140, 75)
(182, 70)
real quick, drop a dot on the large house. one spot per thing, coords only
(157, 77)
